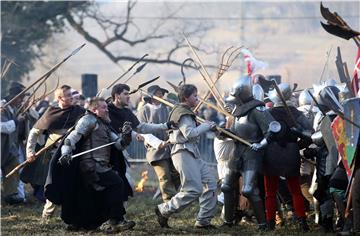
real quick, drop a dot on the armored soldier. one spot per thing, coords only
(252, 123)
(326, 154)
(308, 108)
(282, 156)
(93, 187)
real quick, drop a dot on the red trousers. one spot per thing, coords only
(271, 186)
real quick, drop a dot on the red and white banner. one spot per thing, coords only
(355, 79)
(252, 63)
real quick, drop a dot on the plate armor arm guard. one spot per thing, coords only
(274, 127)
(82, 129)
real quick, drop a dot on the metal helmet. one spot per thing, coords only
(328, 98)
(344, 93)
(330, 82)
(241, 91)
(285, 90)
(305, 98)
(258, 92)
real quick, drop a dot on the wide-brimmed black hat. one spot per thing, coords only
(154, 88)
(14, 89)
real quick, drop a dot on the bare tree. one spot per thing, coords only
(120, 34)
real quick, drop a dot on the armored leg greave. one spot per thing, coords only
(251, 191)
(229, 190)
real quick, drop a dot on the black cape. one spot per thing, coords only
(81, 206)
(54, 118)
(282, 155)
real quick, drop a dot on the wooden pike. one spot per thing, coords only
(40, 98)
(128, 70)
(32, 95)
(37, 154)
(201, 120)
(222, 69)
(213, 106)
(46, 75)
(207, 78)
(294, 123)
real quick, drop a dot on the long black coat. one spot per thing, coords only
(81, 205)
(282, 156)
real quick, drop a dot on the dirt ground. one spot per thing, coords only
(25, 219)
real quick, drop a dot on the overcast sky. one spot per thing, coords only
(286, 35)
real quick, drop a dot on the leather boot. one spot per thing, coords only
(259, 211)
(271, 225)
(304, 227)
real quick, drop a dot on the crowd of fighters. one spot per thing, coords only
(286, 158)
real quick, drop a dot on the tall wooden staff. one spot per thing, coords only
(46, 75)
(207, 77)
(128, 70)
(37, 154)
(213, 106)
(229, 134)
(222, 69)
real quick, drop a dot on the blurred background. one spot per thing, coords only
(286, 35)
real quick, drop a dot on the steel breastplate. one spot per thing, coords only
(246, 129)
(99, 136)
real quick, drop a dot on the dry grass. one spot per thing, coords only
(26, 220)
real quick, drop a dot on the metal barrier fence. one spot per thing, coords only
(137, 150)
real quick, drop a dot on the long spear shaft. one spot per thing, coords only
(220, 72)
(37, 154)
(216, 96)
(326, 63)
(125, 73)
(213, 106)
(32, 95)
(284, 102)
(231, 135)
(47, 74)
(137, 71)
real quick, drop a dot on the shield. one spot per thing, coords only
(346, 134)
(332, 157)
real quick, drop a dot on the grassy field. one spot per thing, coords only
(26, 219)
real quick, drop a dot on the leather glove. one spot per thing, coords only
(310, 153)
(171, 124)
(213, 126)
(66, 153)
(126, 129)
(258, 146)
(229, 108)
(126, 134)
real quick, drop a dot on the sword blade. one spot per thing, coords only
(91, 150)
